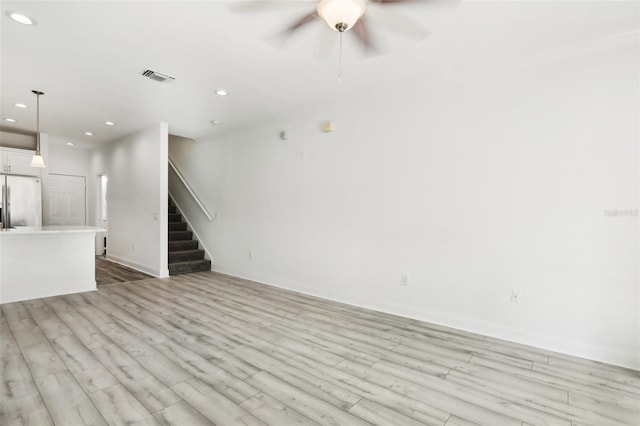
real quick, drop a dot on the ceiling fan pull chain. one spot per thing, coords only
(340, 60)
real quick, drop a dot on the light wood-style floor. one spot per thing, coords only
(205, 349)
(108, 272)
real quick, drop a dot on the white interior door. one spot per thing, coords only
(65, 200)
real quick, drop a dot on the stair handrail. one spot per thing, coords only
(193, 194)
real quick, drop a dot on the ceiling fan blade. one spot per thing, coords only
(362, 32)
(280, 38)
(306, 19)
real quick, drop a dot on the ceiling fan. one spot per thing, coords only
(343, 15)
(346, 15)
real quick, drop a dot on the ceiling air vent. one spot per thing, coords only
(157, 76)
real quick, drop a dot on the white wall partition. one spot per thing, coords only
(46, 261)
(136, 167)
(471, 186)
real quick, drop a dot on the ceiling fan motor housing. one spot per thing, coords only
(341, 15)
(342, 27)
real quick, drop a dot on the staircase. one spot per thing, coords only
(184, 254)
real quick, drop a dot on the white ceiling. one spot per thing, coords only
(88, 56)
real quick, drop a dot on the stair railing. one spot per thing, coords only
(193, 194)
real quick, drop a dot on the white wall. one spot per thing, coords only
(66, 160)
(470, 186)
(136, 167)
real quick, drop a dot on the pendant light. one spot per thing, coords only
(37, 160)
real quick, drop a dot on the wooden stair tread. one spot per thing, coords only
(191, 262)
(189, 266)
(188, 251)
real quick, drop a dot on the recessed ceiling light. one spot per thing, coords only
(21, 18)
(222, 92)
(88, 133)
(109, 123)
(10, 120)
(21, 105)
(70, 143)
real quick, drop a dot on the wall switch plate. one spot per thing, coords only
(404, 280)
(515, 296)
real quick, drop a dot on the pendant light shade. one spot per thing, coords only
(341, 15)
(37, 160)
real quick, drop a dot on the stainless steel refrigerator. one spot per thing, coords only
(20, 201)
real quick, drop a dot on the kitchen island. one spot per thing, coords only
(43, 261)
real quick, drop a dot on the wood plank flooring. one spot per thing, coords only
(108, 272)
(209, 349)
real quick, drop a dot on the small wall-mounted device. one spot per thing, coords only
(284, 135)
(327, 126)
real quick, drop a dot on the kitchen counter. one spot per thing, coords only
(43, 261)
(22, 230)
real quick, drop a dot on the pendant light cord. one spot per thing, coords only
(37, 124)
(37, 160)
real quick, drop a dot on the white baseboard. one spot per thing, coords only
(134, 265)
(566, 345)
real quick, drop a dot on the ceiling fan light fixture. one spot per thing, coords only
(340, 13)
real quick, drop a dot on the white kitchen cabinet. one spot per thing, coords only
(17, 162)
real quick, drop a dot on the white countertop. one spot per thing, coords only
(31, 230)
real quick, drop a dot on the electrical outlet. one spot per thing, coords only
(404, 280)
(250, 255)
(515, 296)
